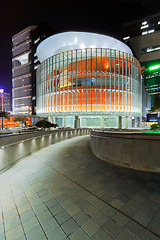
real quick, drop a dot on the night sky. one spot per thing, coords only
(106, 16)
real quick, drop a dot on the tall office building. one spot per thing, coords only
(143, 36)
(24, 65)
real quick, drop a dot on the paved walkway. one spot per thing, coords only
(65, 192)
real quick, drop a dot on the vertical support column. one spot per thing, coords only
(110, 82)
(118, 81)
(141, 98)
(64, 121)
(96, 79)
(126, 122)
(133, 122)
(132, 77)
(67, 83)
(102, 122)
(129, 83)
(32, 120)
(76, 122)
(49, 119)
(120, 122)
(81, 82)
(50, 84)
(138, 122)
(53, 120)
(91, 80)
(106, 80)
(126, 87)
(53, 87)
(59, 69)
(123, 82)
(76, 109)
(56, 88)
(115, 80)
(72, 79)
(86, 77)
(45, 110)
(101, 80)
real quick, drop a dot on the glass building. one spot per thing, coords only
(24, 65)
(88, 80)
(143, 36)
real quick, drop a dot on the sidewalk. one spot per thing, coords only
(65, 192)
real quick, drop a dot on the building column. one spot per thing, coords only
(126, 122)
(120, 122)
(136, 122)
(102, 122)
(51, 119)
(64, 121)
(133, 122)
(139, 122)
(32, 121)
(76, 122)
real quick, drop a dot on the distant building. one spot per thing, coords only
(24, 65)
(143, 36)
(4, 101)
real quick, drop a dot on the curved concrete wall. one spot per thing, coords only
(15, 147)
(134, 150)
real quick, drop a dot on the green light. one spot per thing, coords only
(154, 67)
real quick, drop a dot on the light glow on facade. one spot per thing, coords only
(88, 82)
(145, 26)
(154, 67)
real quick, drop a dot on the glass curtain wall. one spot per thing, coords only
(89, 80)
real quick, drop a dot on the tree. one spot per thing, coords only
(54, 125)
(3, 114)
(45, 124)
(156, 108)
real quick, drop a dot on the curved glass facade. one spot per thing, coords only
(89, 81)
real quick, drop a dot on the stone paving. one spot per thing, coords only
(65, 192)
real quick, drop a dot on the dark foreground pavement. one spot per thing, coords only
(65, 192)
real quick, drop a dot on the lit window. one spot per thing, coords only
(145, 26)
(125, 38)
(144, 33)
(151, 31)
(153, 49)
(144, 23)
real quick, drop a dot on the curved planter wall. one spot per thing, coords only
(133, 150)
(15, 147)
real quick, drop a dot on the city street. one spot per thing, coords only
(64, 192)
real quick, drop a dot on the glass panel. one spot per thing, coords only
(89, 80)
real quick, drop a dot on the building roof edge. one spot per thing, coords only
(31, 27)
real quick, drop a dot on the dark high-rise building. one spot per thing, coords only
(24, 65)
(143, 36)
